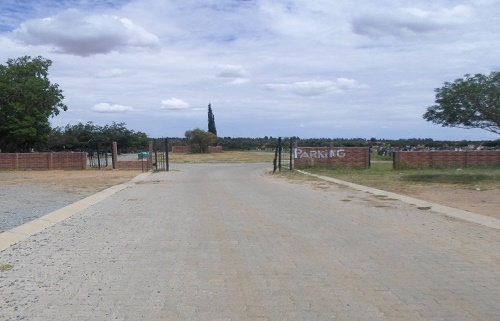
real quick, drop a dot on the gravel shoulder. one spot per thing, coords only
(27, 195)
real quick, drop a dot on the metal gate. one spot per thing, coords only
(283, 154)
(98, 155)
(160, 156)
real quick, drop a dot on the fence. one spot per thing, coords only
(283, 155)
(433, 159)
(43, 161)
(144, 163)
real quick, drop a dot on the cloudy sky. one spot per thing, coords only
(307, 68)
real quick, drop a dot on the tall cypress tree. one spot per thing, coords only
(211, 121)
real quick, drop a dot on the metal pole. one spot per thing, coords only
(166, 154)
(156, 159)
(275, 159)
(98, 158)
(291, 153)
(280, 147)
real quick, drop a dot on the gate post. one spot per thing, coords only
(150, 155)
(166, 154)
(280, 148)
(114, 155)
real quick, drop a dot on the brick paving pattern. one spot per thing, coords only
(230, 242)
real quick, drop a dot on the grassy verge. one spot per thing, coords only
(383, 176)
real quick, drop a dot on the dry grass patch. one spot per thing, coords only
(224, 157)
(72, 181)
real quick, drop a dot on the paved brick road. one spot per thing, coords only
(227, 242)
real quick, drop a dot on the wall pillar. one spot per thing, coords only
(114, 155)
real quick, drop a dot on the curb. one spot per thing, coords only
(22, 232)
(442, 209)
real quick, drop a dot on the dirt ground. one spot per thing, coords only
(485, 202)
(71, 181)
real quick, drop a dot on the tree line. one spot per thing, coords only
(28, 99)
(81, 137)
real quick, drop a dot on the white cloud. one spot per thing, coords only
(76, 33)
(108, 108)
(408, 22)
(228, 51)
(174, 104)
(317, 87)
(114, 73)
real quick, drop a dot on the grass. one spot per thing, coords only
(5, 267)
(224, 157)
(383, 176)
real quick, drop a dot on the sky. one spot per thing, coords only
(305, 68)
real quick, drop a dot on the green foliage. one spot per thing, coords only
(470, 102)
(211, 121)
(85, 136)
(199, 140)
(27, 100)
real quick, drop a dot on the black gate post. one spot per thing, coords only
(275, 159)
(98, 158)
(156, 160)
(166, 154)
(291, 153)
(280, 148)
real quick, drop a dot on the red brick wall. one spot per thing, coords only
(139, 165)
(17, 161)
(424, 159)
(215, 149)
(180, 149)
(357, 157)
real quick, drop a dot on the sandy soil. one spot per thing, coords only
(485, 202)
(71, 181)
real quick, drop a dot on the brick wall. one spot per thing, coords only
(432, 159)
(180, 149)
(138, 165)
(18, 161)
(357, 157)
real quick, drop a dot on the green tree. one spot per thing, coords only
(87, 136)
(211, 121)
(27, 100)
(469, 102)
(199, 140)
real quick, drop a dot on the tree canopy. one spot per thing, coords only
(87, 136)
(27, 100)
(469, 102)
(199, 140)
